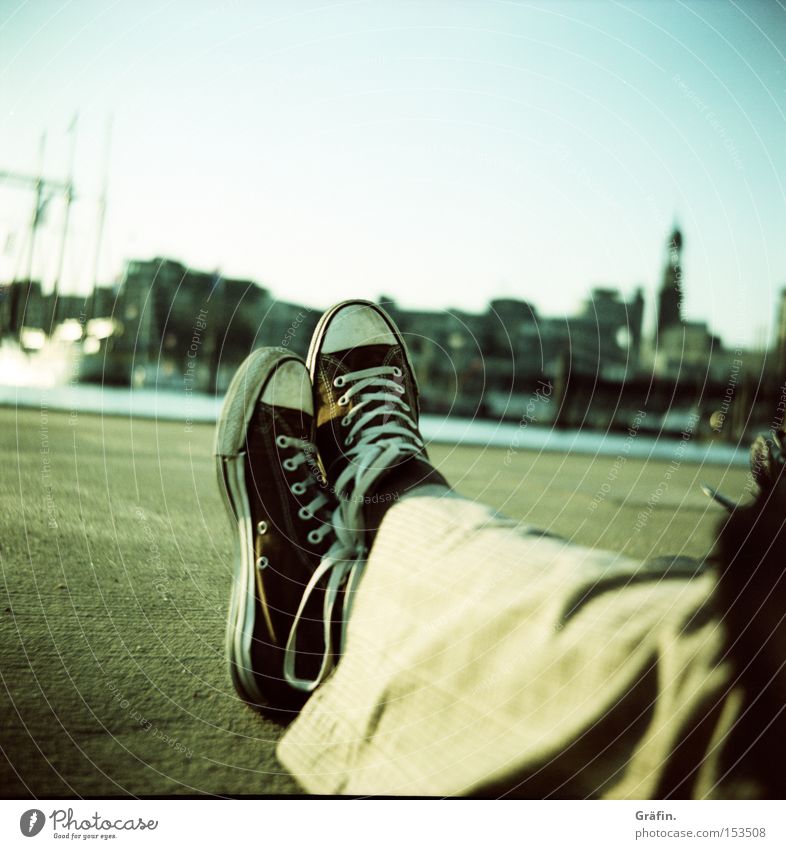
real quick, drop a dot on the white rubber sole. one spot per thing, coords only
(241, 399)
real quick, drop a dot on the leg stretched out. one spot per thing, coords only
(481, 657)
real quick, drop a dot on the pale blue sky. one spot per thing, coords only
(441, 152)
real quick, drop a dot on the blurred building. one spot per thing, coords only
(606, 334)
(670, 295)
(689, 351)
(103, 301)
(492, 362)
(22, 305)
(447, 351)
(167, 323)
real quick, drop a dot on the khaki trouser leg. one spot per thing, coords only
(485, 658)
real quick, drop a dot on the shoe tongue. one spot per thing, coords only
(283, 420)
(270, 423)
(331, 451)
(365, 356)
(344, 362)
(330, 433)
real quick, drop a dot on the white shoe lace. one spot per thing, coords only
(342, 559)
(371, 450)
(304, 457)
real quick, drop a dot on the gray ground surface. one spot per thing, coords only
(116, 562)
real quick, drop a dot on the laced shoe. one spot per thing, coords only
(367, 410)
(290, 563)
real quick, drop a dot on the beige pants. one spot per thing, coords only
(485, 658)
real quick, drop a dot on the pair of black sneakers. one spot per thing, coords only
(301, 448)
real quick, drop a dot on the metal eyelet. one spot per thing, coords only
(289, 464)
(339, 381)
(282, 441)
(262, 562)
(261, 527)
(305, 513)
(298, 488)
(397, 371)
(314, 537)
(345, 421)
(343, 401)
(348, 441)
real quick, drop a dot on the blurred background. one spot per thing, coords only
(574, 210)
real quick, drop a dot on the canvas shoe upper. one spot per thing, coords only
(290, 563)
(367, 409)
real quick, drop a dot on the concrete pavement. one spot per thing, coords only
(115, 560)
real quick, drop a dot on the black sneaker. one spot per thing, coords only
(366, 399)
(279, 644)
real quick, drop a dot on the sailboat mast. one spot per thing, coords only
(101, 216)
(69, 197)
(37, 211)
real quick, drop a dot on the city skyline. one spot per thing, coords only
(663, 309)
(444, 154)
(178, 329)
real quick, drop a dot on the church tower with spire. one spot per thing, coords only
(670, 295)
